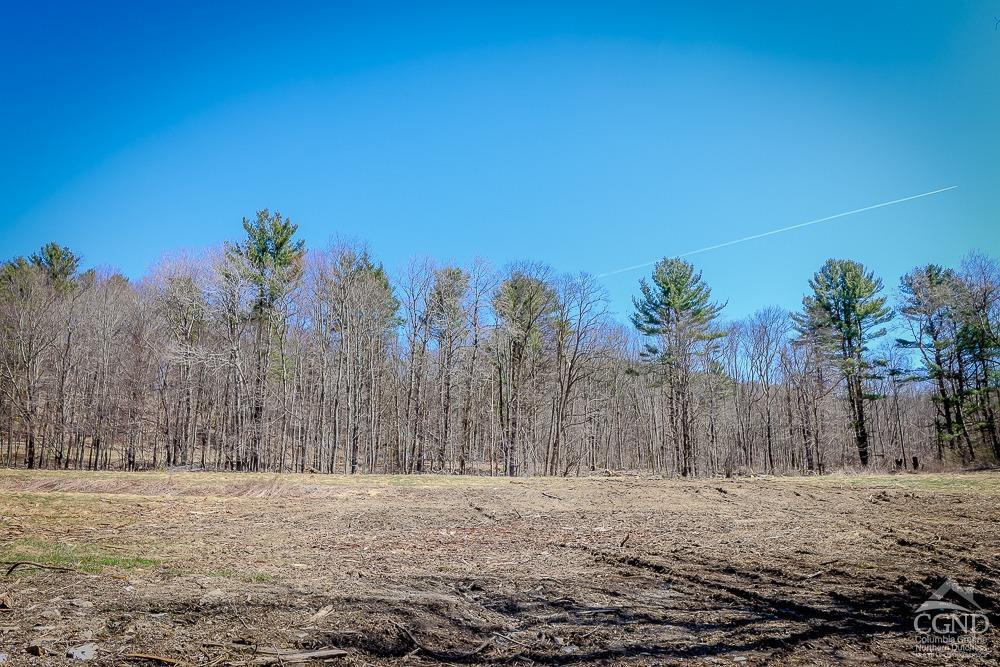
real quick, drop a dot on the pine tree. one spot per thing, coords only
(928, 297)
(844, 315)
(524, 305)
(977, 309)
(272, 258)
(448, 327)
(272, 261)
(58, 263)
(677, 309)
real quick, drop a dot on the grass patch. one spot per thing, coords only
(249, 577)
(977, 481)
(91, 558)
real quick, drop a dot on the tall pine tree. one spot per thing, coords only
(677, 311)
(272, 260)
(844, 314)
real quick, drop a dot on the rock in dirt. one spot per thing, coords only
(50, 614)
(81, 603)
(82, 652)
(6, 601)
(212, 596)
(36, 649)
(3, 658)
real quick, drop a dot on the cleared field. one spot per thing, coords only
(197, 568)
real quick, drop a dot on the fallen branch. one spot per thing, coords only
(596, 610)
(549, 495)
(41, 566)
(822, 571)
(443, 655)
(158, 659)
(280, 657)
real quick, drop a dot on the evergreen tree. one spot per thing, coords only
(524, 305)
(977, 310)
(58, 263)
(272, 258)
(928, 298)
(678, 304)
(844, 314)
(447, 316)
(678, 311)
(448, 326)
(272, 261)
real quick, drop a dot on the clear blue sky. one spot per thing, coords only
(589, 136)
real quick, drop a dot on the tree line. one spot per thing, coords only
(266, 356)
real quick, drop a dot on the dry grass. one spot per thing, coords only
(204, 567)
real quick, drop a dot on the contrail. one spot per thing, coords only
(779, 231)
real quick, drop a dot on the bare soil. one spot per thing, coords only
(218, 569)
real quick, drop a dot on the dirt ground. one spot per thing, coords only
(218, 569)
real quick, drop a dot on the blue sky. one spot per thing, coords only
(588, 136)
